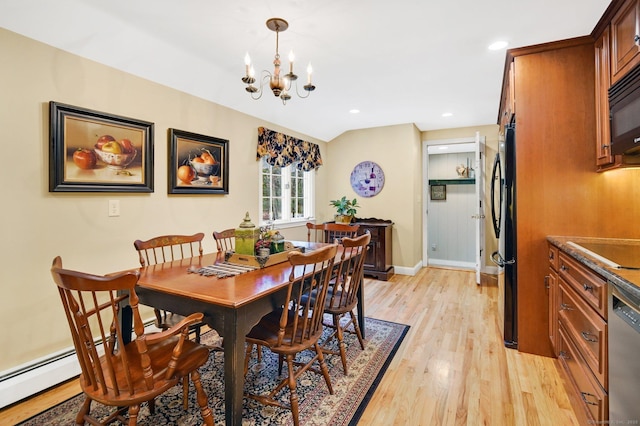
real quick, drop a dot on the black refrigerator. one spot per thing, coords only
(503, 215)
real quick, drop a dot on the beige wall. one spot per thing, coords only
(396, 149)
(37, 225)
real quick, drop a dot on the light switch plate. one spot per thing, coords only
(114, 208)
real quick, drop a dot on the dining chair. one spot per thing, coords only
(329, 232)
(123, 375)
(225, 240)
(167, 248)
(342, 296)
(295, 326)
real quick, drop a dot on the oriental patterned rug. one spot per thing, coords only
(317, 406)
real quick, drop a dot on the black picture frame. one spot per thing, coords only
(205, 178)
(78, 164)
(438, 192)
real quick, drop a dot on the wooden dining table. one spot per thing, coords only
(231, 306)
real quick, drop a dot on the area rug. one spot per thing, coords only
(317, 406)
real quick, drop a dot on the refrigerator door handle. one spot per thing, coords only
(499, 260)
(496, 211)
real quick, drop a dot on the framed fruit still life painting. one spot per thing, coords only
(92, 151)
(198, 164)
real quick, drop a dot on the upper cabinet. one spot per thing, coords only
(617, 51)
(625, 39)
(603, 81)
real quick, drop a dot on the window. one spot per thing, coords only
(286, 193)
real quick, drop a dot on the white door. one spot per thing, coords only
(479, 216)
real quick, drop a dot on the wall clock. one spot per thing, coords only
(367, 179)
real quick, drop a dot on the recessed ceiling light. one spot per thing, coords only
(354, 111)
(498, 45)
(447, 114)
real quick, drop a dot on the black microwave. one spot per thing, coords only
(624, 114)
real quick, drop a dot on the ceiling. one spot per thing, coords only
(407, 61)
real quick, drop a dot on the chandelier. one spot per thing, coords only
(280, 85)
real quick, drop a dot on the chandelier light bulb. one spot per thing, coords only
(309, 71)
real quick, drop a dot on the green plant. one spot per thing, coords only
(344, 206)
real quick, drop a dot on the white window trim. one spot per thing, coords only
(288, 222)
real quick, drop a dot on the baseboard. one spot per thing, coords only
(452, 264)
(403, 270)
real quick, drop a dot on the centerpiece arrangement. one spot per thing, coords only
(259, 247)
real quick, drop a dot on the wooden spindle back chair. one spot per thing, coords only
(342, 296)
(330, 232)
(118, 374)
(168, 248)
(296, 326)
(225, 240)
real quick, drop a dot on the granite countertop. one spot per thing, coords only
(627, 279)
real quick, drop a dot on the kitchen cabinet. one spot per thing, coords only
(580, 335)
(553, 92)
(377, 262)
(625, 39)
(604, 158)
(552, 286)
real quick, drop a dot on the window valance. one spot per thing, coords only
(283, 150)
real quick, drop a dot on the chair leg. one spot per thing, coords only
(201, 397)
(323, 367)
(185, 393)
(341, 345)
(356, 326)
(133, 415)
(293, 394)
(84, 410)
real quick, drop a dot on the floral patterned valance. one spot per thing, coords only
(283, 150)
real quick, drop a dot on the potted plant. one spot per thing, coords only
(345, 209)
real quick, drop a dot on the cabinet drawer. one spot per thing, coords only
(588, 284)
(589, 394)
(587, 330)
(553, 257)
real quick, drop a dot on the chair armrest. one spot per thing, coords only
(176, 329)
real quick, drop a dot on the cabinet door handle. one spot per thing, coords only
(546, 281)
(584, 396)
(587, 287)
(636, 39)
(564, 355)
(563, 267)
(589, 337)
(565, 307)
(550, 255)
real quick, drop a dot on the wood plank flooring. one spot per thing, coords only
(451, 369)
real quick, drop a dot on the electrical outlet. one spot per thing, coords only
(114, 208)
(433, 247)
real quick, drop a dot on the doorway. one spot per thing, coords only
(453, 192)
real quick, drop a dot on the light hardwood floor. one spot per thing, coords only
(451, 369)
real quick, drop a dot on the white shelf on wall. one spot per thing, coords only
(459, 181)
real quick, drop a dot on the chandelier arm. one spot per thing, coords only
(302, 96)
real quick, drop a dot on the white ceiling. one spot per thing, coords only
(406, 61)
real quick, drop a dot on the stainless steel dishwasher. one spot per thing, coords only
(624, 348)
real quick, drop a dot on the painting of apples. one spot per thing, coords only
(92, 151)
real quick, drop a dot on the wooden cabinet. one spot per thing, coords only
(551, 282)
(508, 100)
(625, 38)
(617, 51)
(603, 81)
(378, 262)
(553, 89)
(580, 335)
